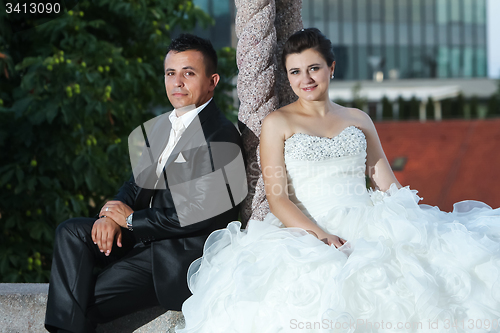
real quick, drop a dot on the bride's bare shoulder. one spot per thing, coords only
(357, 117)
(278, 121)
(282, 113)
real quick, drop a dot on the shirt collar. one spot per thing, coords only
(189, 116)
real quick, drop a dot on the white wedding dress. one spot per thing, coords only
(405, 268)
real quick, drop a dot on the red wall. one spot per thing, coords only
(447, 161)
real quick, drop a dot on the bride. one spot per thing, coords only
(332, 256)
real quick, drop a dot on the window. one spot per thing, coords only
(480, 11)
(442, 11)
(468, 62)
(389, 8)
(347, 32)
(456, 68)
(349, 63)
(318, 9)
(390, 60)
(403, 22)
(455, 10)
(428, 13)
(417, 61)
(404, 62)
(305, 14)
(362, 62)
(203, 4)
(442, 62)
(389, 16)
(456, 35)
(481, 62)
(220, 8)
(333, 21)
(415, 11)
(375, 13)
(468, 11)
(428, 21)
(361, 26)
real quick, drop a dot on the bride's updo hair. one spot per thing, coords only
(310, 38)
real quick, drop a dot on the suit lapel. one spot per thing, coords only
(192, 129)
(144, 195)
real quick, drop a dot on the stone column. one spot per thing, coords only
(288, 21)
(256, 60)
(423, 110)
(438, 115)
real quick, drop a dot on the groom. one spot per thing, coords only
(148, 236)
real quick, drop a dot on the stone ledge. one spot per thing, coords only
(22, 310)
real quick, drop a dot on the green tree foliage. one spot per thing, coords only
(429, 109)
(342, 102)
(414, 108)
(387, 109)
(446, 108)
(494, 105)
(403, 109)
(358, 101)
(227, 70)
(458, 106)
(71, 91)
(474, 107)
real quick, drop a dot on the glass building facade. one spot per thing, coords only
(222, 11)
(403, 38)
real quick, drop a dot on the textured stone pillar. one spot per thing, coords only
(288, 21)
(256, 60)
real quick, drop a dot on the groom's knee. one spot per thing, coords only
(80, 227)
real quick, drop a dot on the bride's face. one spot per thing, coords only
(309, 74)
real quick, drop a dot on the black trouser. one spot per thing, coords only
(78, 299)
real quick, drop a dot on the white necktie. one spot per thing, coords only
(175, 135)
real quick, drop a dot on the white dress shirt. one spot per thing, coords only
(186, 118)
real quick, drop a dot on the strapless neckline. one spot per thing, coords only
(350, 141)
(322, 137)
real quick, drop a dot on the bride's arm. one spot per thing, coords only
(377, 166)
(272, 140)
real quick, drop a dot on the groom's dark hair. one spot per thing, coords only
(186, 42)
(310, 38)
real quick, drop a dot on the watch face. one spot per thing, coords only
(129, 222)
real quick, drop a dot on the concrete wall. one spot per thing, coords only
(22, 309)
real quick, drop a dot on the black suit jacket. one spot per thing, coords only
(174, 246)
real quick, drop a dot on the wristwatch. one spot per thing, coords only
(129, 222)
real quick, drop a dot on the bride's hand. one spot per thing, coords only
(329, 239)
(335, 241)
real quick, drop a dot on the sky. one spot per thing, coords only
(493, 38)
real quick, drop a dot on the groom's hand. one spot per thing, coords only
(104, 232)
(117, 211)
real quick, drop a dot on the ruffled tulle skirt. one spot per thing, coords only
(405, 268)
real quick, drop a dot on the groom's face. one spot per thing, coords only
(186, 80)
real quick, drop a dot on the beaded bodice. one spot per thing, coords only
(301, 146)
(324, 172)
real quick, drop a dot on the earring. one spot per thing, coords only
(333, 76)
